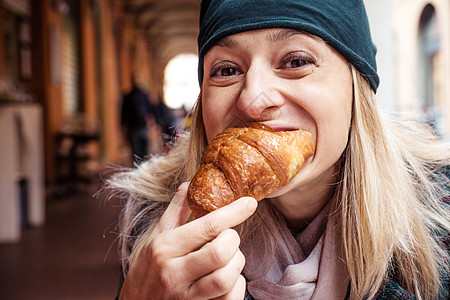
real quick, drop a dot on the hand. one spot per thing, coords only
(196, 260)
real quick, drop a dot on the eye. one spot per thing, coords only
(296, 63)
(225, 70)
(296, 60)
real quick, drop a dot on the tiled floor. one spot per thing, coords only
(74, 256)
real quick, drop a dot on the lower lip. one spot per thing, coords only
(278, 129)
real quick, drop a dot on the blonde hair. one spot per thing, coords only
(388, 201)
(148, 189)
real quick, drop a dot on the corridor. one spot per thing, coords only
(74, 256)
(65, 68)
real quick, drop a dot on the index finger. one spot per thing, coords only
(177, 212)
(195, 234)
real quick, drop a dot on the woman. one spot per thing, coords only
(364, 218)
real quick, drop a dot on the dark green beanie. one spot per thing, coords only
(343, 24)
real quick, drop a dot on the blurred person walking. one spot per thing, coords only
(135, 113)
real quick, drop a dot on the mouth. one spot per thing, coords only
(274, 126)
(277, 127)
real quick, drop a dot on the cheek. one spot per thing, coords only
(329, 102)
(214, 110)
(209, 119)
(333, 127)
(333, 134)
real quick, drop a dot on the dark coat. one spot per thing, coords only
(389, 290)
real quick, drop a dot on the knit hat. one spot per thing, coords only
(343, 24)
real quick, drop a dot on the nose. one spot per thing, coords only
(259, 98)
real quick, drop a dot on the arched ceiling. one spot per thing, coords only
(171, 26)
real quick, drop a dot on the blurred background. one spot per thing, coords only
(65, 67)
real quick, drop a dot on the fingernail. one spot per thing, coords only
(252, 204)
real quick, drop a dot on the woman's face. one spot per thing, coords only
(287, 80)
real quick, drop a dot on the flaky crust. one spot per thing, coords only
(251, 161)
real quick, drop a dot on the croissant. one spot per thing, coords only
(251, 161)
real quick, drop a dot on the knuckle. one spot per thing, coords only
(212, 228)
(221, 284)
(156, 253)
(167, 281)
(241, 261)
(162, 269)
(240, 288)
(233, 236)
(218, 254)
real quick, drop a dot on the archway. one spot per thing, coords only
(429, 66)
(181, 87)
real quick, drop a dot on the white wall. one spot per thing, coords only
(379, 13)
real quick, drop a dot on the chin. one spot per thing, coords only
(284, 189)
(295, 182)
(278, 192)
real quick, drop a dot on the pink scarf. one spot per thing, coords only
(306, 266)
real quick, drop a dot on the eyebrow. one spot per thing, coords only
(284, 34)
(227, 42)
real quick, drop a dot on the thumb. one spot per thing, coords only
(178, 211)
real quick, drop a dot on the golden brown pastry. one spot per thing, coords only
(251, 161)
